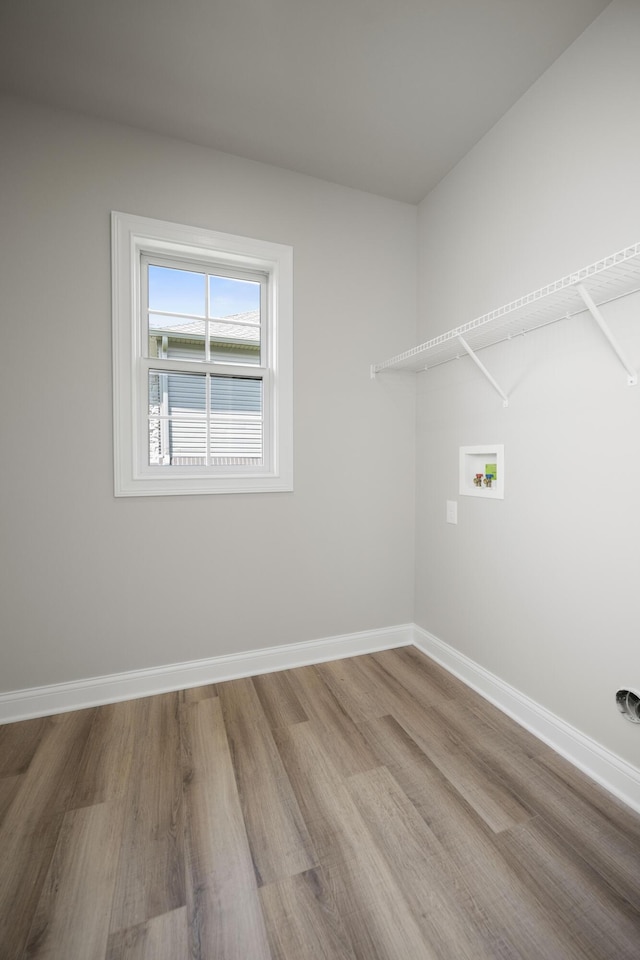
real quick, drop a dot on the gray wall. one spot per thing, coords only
(93, 585)
(541, 588)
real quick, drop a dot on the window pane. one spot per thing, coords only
(172, 337)
(236, 435)
(236, 395)
(234, 342)
(176, 394)
(188, 439)
(176, 291)
(234, 331)
(229, 297)
(177, 443)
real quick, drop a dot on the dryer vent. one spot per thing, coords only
(628, 703)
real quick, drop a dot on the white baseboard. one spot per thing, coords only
(77, 694)
(606, 768)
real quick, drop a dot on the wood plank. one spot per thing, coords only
(30, 849)
(319, 790)
(278, 837)
(372, 906)
(416, 859)
(303, 921)
(349, 750)
(592, 794)
(512, 737)
(600, 921)
(29, 830)
(552, 787)
(50, 779)
(470, 862)
(352, 689)
(225, 920)
(609, 848)
(195, 694)
(453, 820)
(496, 802)
(18, 744)
(427, 680)
(150, 877)
(105, 765)
(504, 913)
(491, 745)
(72, 917)
(468, 841)
(161, 938)
(279, 700)
(9, 786)
(379, 924)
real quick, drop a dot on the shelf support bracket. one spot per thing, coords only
(481, 366)
(632, 374)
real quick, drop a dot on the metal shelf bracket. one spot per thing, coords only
(481, 366)
(632, 373)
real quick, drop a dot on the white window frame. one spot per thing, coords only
(133, 237)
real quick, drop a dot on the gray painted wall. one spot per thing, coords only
(92, 585)
(541, 588)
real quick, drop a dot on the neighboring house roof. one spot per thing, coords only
(237, 326)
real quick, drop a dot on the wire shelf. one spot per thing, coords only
(609, 279)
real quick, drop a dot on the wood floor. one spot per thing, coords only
(349, 811)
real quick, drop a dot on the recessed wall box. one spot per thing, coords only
(482, 471)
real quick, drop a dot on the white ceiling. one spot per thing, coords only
(383, 95)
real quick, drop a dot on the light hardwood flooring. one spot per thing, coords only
(365, 809)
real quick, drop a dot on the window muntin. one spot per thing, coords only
(209, 351)
(204, 420)
(212, 315)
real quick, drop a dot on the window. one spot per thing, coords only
(202, 346)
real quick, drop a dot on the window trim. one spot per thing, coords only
(131, 238)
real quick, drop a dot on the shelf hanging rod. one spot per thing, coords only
(481, 366)
(632, 378)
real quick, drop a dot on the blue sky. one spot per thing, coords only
(183, 291)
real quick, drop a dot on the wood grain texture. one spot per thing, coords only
(613, 851)
(80, 881)
(161, 938)
(349, 811)
(278, 836)
(30, 828)
(225, 920)
(427, 682)
(303, 920)
(600, 921)
(9, 787)
(105, 764)
(470, 865)
(347, 747)
(495, 801)
(418, 863)
(279, 700)
(150, 879)
(351, 688)
(18, 744)
(377, 918)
